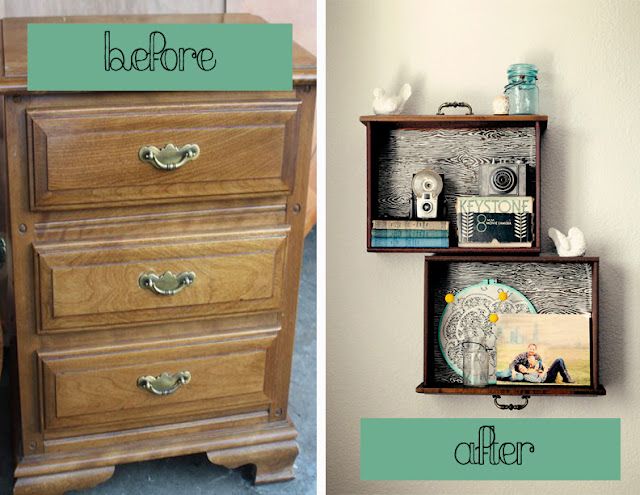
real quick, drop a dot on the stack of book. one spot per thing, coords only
(410, 233)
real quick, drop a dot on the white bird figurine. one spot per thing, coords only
(572, 244)
(392, 104)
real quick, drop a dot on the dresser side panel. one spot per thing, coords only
(280, 354)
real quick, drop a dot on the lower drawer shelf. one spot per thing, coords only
(537, 317)
(93, 391)
(509, 390)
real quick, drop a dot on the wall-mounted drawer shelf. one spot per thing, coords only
(455, 146)
(553, 285)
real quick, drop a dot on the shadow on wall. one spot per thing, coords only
(415, 104)
(612, 346)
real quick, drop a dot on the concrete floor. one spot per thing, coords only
(195, 475)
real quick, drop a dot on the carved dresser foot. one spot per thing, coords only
(273, 461)
(59, 483)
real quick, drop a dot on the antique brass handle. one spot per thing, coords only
(512, 407)
(166, 284)
(454, 104)
(165, 383)
(170, 157)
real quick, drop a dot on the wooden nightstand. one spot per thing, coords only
(152, 308)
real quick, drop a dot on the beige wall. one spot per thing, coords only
(300, 13)
(587, 52)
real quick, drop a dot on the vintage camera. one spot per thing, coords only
(503, 179)
(427, 186)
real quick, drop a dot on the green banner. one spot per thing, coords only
(490, 449)
(159, 57)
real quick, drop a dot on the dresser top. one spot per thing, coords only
(13, 37)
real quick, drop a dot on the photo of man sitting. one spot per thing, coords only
(528, 366)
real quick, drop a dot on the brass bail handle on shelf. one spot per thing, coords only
(166, 284)
(170, 157)
(511, 407)
(164, 384)
(454, 104)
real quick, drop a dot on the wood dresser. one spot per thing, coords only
(148, 290)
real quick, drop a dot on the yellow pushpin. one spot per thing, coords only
(449, 298)
(493, 318)
(503, 296)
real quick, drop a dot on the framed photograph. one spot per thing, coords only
(548, 349)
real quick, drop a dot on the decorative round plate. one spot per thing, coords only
(467, 317)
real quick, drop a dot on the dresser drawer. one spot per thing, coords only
(115, 156)
(124, 385)
(84, 287)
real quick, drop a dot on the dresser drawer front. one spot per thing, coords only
(89, 389)
(91, 157)
(89, 288)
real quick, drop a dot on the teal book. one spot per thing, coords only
(410, 242)
(410, 233)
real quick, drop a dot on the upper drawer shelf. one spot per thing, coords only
(403, 120)
(81, 158)
(463, 150)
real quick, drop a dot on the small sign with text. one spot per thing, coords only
(159, 57)
(489, 449)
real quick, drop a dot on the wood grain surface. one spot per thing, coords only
(244, 149)
(455, 146)
(87, 389)
(83, 287)
(84, 217)
(455, 153)
(239, 438)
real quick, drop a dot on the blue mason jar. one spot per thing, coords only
(522, 89)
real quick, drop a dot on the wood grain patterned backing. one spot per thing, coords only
(86, 286)
(88, 389)
(456, 153)
(89, 157)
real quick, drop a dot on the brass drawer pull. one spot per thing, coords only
(170, 157)
(454, 104)
(166, 284)
(165, 384)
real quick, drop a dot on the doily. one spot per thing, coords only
(466, 317)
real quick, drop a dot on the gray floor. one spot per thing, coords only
(194, 475)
